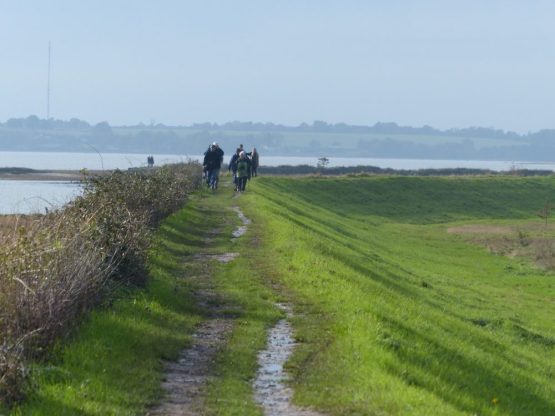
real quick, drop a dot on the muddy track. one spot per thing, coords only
(241, 230)
(185, 379)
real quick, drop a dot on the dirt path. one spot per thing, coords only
(186, 378)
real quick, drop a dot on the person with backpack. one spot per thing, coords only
(243, 171)
(233, 167)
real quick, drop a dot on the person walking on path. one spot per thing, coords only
(254, 162)
(243, 171)
(233, 167)
(212, 164)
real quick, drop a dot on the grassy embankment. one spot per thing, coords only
(396, 314)
(397, 311)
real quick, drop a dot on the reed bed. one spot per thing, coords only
(55, 267)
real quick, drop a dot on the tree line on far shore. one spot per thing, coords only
(381, 140)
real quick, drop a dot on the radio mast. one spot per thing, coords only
(48, 85)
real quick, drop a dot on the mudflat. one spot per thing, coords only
(24, 174)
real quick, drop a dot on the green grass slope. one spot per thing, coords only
(395, 314)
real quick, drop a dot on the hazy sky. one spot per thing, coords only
(443, 63)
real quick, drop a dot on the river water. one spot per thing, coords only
(95, 161)
(34, 196)
(26, 197)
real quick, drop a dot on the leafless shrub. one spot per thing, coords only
(55, 267)
(544, 252)
(545, 212)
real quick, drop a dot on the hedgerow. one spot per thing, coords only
(55, 267)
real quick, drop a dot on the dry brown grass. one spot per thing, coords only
(480, 229)
(532, 240)
(10, 224)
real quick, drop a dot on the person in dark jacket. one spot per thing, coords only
(254, 162)
(212, 164)
(233, 167)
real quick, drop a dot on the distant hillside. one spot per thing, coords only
(382, 140)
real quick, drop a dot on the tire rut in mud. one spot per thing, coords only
(186, 378)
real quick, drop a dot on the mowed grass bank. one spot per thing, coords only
(395, 314)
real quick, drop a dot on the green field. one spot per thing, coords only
(412, 296)
(399, 316)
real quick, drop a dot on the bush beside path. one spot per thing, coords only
(55, 268)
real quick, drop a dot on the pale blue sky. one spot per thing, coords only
(443, 63)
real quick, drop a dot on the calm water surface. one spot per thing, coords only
(28, 197)
(76, 161)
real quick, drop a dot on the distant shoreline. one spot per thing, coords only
(26, 174)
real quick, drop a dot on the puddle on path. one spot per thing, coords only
(222, 258)
(242, 229)
(270, 391)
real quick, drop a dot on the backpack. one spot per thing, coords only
(242, 168)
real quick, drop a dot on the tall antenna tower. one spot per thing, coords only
(48, 85)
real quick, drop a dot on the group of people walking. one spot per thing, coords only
(243, 165)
